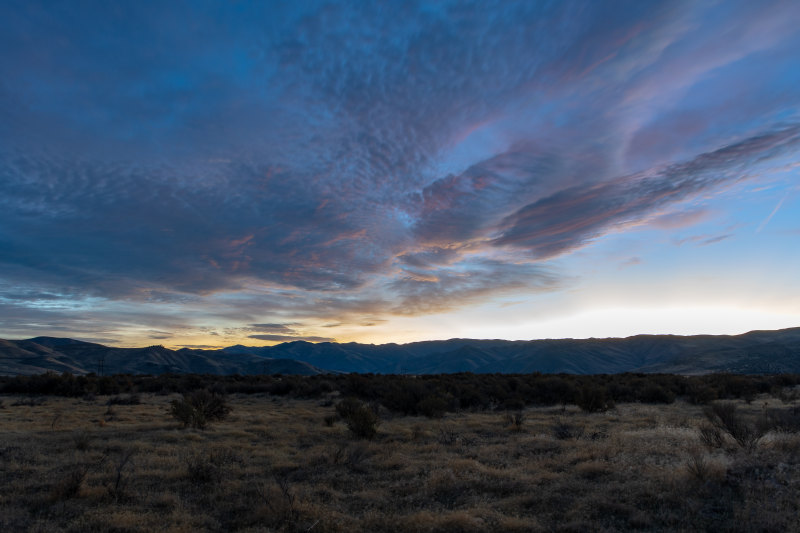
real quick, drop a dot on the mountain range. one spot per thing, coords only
(755, 352)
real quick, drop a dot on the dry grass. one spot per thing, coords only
(276, 465)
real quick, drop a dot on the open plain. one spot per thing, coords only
(285, 464)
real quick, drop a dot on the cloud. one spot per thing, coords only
(571, 218)
(290, 338)
(278, 235)
(703, 240)
(197, 346)
(282, 332)
(429, 257)
(99, 340)
(273, 328)
(271, 166)
(680, 219)
(460, 208)
(466, 282)
(633, 261)
(772, 213)
(714, 240)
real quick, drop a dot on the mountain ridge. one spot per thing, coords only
(758, 351)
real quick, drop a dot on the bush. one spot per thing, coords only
(201, 469)
(515, 420)
(700, 393)
(784, 420)
(81, 439)
(117, 484)
(711, 436)
(432, 406)
(69, 485)
(594, 399)
(346, 407)
(197, 409)
(698, 466)
(130, 399)
(726, 417)
(360, 419)
(209, 466)
(563, 430)
(653, 393)
(363, 423)
(785, 395)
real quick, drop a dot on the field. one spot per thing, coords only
(289, 464)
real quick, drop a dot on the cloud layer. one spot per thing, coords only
(276, 167)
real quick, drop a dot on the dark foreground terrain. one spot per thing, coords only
(134, 461)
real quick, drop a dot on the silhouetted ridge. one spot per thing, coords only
(753, 352)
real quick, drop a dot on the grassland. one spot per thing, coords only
(287, 464)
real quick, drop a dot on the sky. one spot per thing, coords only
(205, 174)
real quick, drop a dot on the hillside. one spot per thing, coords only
(755, 352)
(42, 354)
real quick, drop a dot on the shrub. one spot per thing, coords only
(786, 395)
(697, 466)
(360, 419)
(432, 406)
(594, 399)
(81, 439)
(726, 417)
(448, 436)
(514, 403)
(346, 407)
(700, 393)
(69, 485)
(404, 397)
(711, 436)
(31, 401)
(563, 431)
(515, 420)
(363, 423)
(202, 468)
(653, 393)
(119, 480)
(197, 409)
(129, 399)
(552, 390)
(210, 465)
(784, 420)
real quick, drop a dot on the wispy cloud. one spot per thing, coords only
(273, 328)
(289, 338)
(466, 282)
(771, 214)
(633, 261)
(703, 240)
(571, 218)
(680, 219)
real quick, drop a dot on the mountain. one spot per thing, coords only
(42, 354)
(753, 353)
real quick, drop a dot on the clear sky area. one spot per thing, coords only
(213, 173)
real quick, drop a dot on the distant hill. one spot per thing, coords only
(753, 353)
(42, 354)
